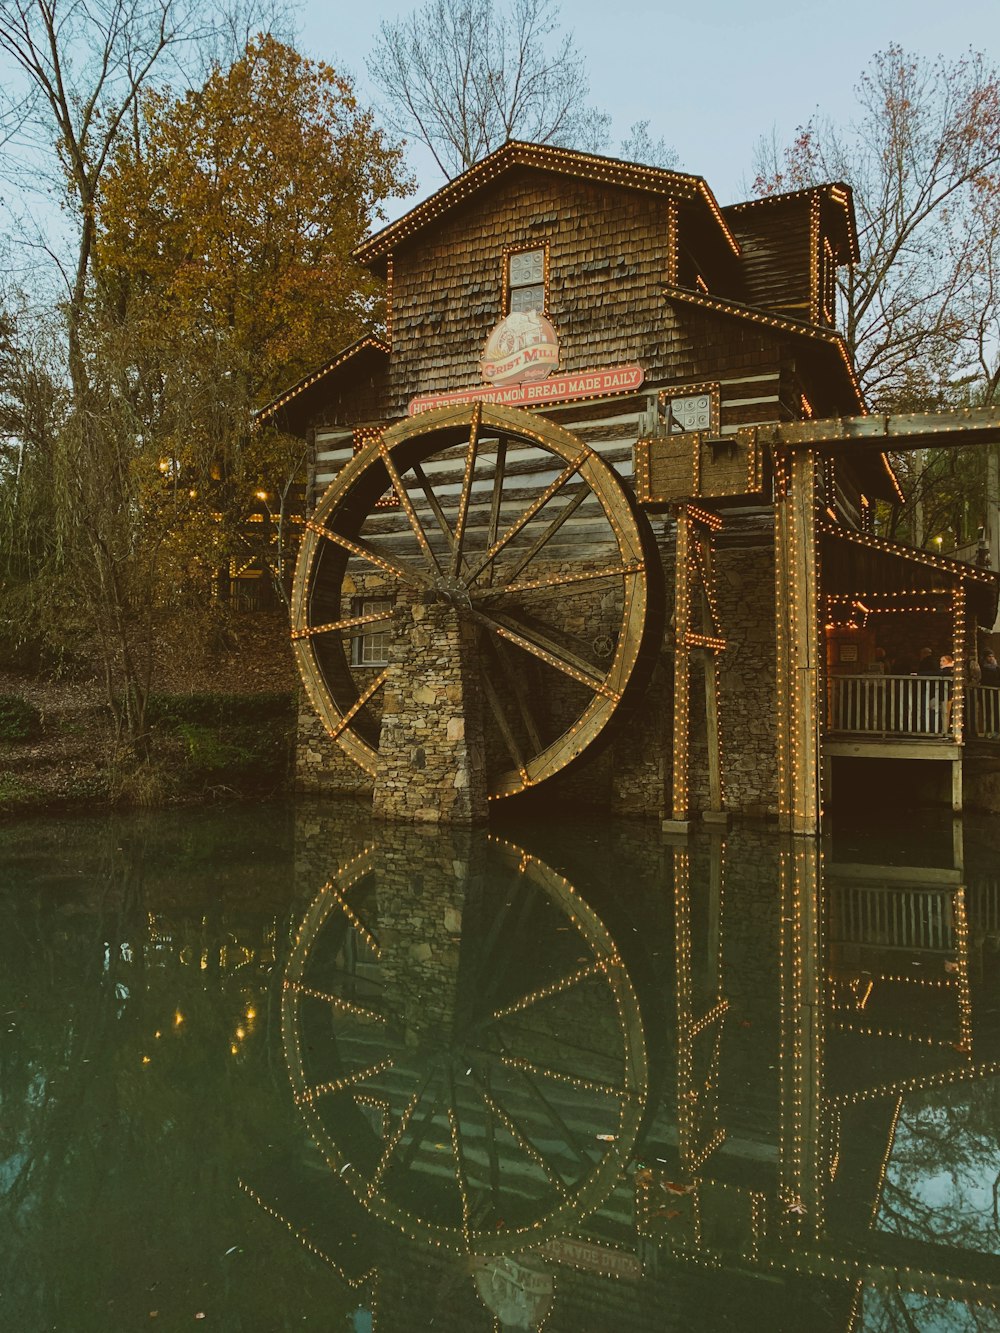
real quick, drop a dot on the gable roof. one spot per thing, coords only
(829, 338)
(837, 194)
(686, 189)
(297, 398)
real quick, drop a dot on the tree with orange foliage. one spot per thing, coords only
(920, 312)
(233, 213)
(223, 225)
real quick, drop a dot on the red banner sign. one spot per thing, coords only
(558, 389)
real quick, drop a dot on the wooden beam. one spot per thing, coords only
(803, 1154)
(712, 723)
(710, 662)
(900, 433)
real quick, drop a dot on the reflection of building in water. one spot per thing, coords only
(875, 1007)
(800, 1018)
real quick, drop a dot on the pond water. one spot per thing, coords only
(278, 1067)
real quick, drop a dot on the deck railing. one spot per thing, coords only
(984, 712)
(897, 918)
(984, 904)
(890, 705)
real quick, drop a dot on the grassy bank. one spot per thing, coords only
(58, 749)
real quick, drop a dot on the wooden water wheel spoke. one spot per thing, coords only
(466, 495)
(364, 551)
(395, 1138)
(337, 897)
(546, 992)
(557, 581)
(528, 1071)
(434, 504)
(534, 508)
(335, 1085)
(547, 650)
(516, 681)
(337, 1001)
(338, 626)
(501, 719)
(421, 1126)
(499, 467)
(519, 1134)
(531, 1070)
(457, 1153)
(472, 483)
(407, 506)
(358, 704)
(567, 511)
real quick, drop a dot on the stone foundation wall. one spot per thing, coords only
(745, 584)
(321, 766)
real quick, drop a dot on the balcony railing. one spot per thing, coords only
(890, 705)
(912, 919)
(984, 712)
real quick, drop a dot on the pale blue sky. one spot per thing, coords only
(711, 77)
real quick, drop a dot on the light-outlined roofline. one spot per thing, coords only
(678, 185)
(755, 315)
(322, 372)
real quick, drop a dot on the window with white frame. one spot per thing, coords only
(371, 649)
(526, 281)
(691, 407)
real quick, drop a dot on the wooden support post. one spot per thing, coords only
(716, 888)
(804, 1148)
(680, 799)
(958, 676)
(715, 814)
(797, 647)
(956, 783)
(958, 845)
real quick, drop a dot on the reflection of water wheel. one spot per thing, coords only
(529, 535)
(481, 1094)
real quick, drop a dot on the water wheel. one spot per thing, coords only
(530, 536)
(466, 1048)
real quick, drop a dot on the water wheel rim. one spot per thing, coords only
(640, 616)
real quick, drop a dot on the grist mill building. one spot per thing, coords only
(594, 514)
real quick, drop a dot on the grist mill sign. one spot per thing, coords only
(518, 363)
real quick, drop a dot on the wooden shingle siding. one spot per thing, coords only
(777, 261)
(607, 252)
(614, 253)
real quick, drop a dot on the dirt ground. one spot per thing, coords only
(66, 763)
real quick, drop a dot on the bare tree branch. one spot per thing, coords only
(464, 76)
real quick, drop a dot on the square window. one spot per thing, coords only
(689, 408)
(370, 649)
(526, 298)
